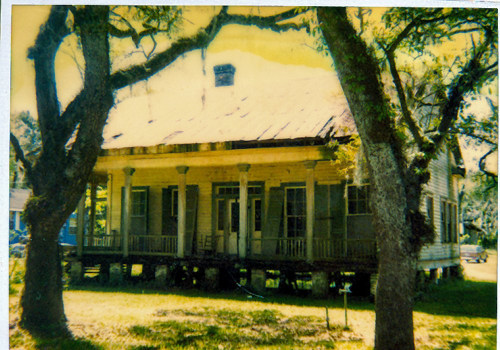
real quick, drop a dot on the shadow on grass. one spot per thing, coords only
(66, 344)
(301, 299)
(454, 298)
(21, 339)
(459, 298)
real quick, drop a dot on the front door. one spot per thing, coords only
(233, 220)
(256, 225)
(228, 225)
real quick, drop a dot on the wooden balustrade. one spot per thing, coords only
(152, 244)
(137, 244)
(324, 249)
(284, 248)
(352, 249)
(111, 242)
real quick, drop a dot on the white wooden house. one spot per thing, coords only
(220, 161)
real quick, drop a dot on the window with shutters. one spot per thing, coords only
(139, 210)
(174, 206)
(170, 207)
(449, 228)
(358, 199)
(430, 209)
(295, 211)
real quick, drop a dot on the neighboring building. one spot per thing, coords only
(223, 164)
(17, 201)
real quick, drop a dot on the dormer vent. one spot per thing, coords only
(224, 75)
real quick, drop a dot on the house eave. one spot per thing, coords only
(209, 158)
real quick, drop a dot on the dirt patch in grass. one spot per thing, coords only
(208, 328)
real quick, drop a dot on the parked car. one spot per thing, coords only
(470, 252)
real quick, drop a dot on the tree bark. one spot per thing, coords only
(59, 177)
(41, 301)
(391, 205)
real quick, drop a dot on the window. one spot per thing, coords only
(358, 199)
(448, 222)
(228, 190)
(139, 212)
(174, 207)
(430, 209)
(295, 211)
(257, 217)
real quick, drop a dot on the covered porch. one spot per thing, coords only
(292, 207)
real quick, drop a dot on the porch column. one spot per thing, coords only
(127, 208)
(109, 189)
(80, 220)
(93, 197)
(309, 208)
(181, 213)
(242, 242)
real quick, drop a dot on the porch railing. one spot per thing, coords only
(137, 244)
(351, 249)
(111, 242)
(324, 249)
(152, 244)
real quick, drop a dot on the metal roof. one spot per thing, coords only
(18, 198)
(268, 101)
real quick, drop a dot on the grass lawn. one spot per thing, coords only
(454, 315)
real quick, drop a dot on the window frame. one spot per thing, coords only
(449, 221)
(286, 216)
(357, 200)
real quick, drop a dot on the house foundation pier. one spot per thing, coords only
(258, 280)
(161, 275)
(320, 284)
(76, 272)
(115, 273)
(104, 272)
(212, 278)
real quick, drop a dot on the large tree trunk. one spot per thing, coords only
(41, 301)
(391, 205)
(59, 176)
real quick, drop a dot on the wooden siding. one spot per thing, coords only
(158, 178)
(272, 174)
(441, 186)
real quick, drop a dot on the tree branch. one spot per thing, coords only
(471, 75)
(132, 33)
(43, 53)
(200, 40)
(477, 137)
(482, 165)
(20, 156)
(412, 125)
(415, 23)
